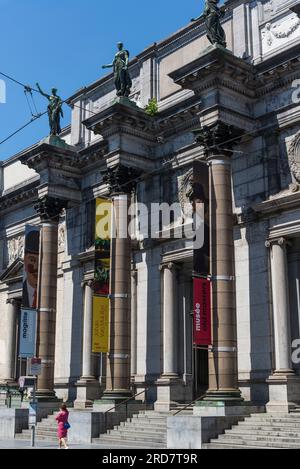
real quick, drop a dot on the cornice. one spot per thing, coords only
(217, 67)
(123, 119)
(92, 155)
(20, 196)
(282, 202)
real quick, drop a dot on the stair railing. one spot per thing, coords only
(126, 405)
(189, 405)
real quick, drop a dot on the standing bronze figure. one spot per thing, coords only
(213, 15)
(123, 82)
(55, 111)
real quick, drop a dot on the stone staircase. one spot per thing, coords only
(46, 430)
(261, 431)
(146, 430)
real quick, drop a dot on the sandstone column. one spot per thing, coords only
(88, 388)
(223, 375)
(49, 210)
(118, 381)
(11, 337)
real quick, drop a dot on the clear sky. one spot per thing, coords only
(63, 43)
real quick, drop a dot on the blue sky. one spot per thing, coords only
(63, 43)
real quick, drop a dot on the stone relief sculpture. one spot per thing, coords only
(294, 157)
(185, 188)
(15, 247)
(277, 31)
(61, 237)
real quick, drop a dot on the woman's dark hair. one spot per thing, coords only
(63, 407)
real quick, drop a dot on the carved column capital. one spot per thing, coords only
(280, 241)
(50, 208)
(87, 283)
(14, 301)
(169, 266)
(217, 139)
(120, 179)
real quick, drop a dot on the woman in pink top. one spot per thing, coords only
(62, 420)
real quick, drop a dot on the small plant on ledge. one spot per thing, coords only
(152, 108)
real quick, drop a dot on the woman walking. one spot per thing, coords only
(62, 426)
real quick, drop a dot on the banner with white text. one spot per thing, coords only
(202, 312)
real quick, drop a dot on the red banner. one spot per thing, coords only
(202, 312)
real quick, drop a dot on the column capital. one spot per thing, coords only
(218, 140)
(14, 301)
(169, 266)
(280, 241)
(87, 283)
(120, 179)
(50, 208)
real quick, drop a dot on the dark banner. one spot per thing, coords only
(31, 265)
(201, 208)
(202, 312)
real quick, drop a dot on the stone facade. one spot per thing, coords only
(252, 91)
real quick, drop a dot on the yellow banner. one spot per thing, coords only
(100, 324)
(102, 246)
(103, 219)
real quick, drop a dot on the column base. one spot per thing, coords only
(226, 408)
(88, 390)
(284, 392)
(223, 395)
(123, 410)
(10, 382)
(170, 392)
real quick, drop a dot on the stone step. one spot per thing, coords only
(263, 432)
(268, 421)
(153, 414)
(128, 443)
(261, 425)
(40, 433)
(213, 446)
(137, 431)
(259, 437)
(26, 437)
(274, 416)
(144, 420)
(144, 438)
(129, 425)
(263, 444)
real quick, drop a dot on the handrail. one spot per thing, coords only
(188, 405)
(125, 401)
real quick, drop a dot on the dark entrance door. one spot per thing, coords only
(200, 372)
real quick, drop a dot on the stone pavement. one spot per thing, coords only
(24, 444)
